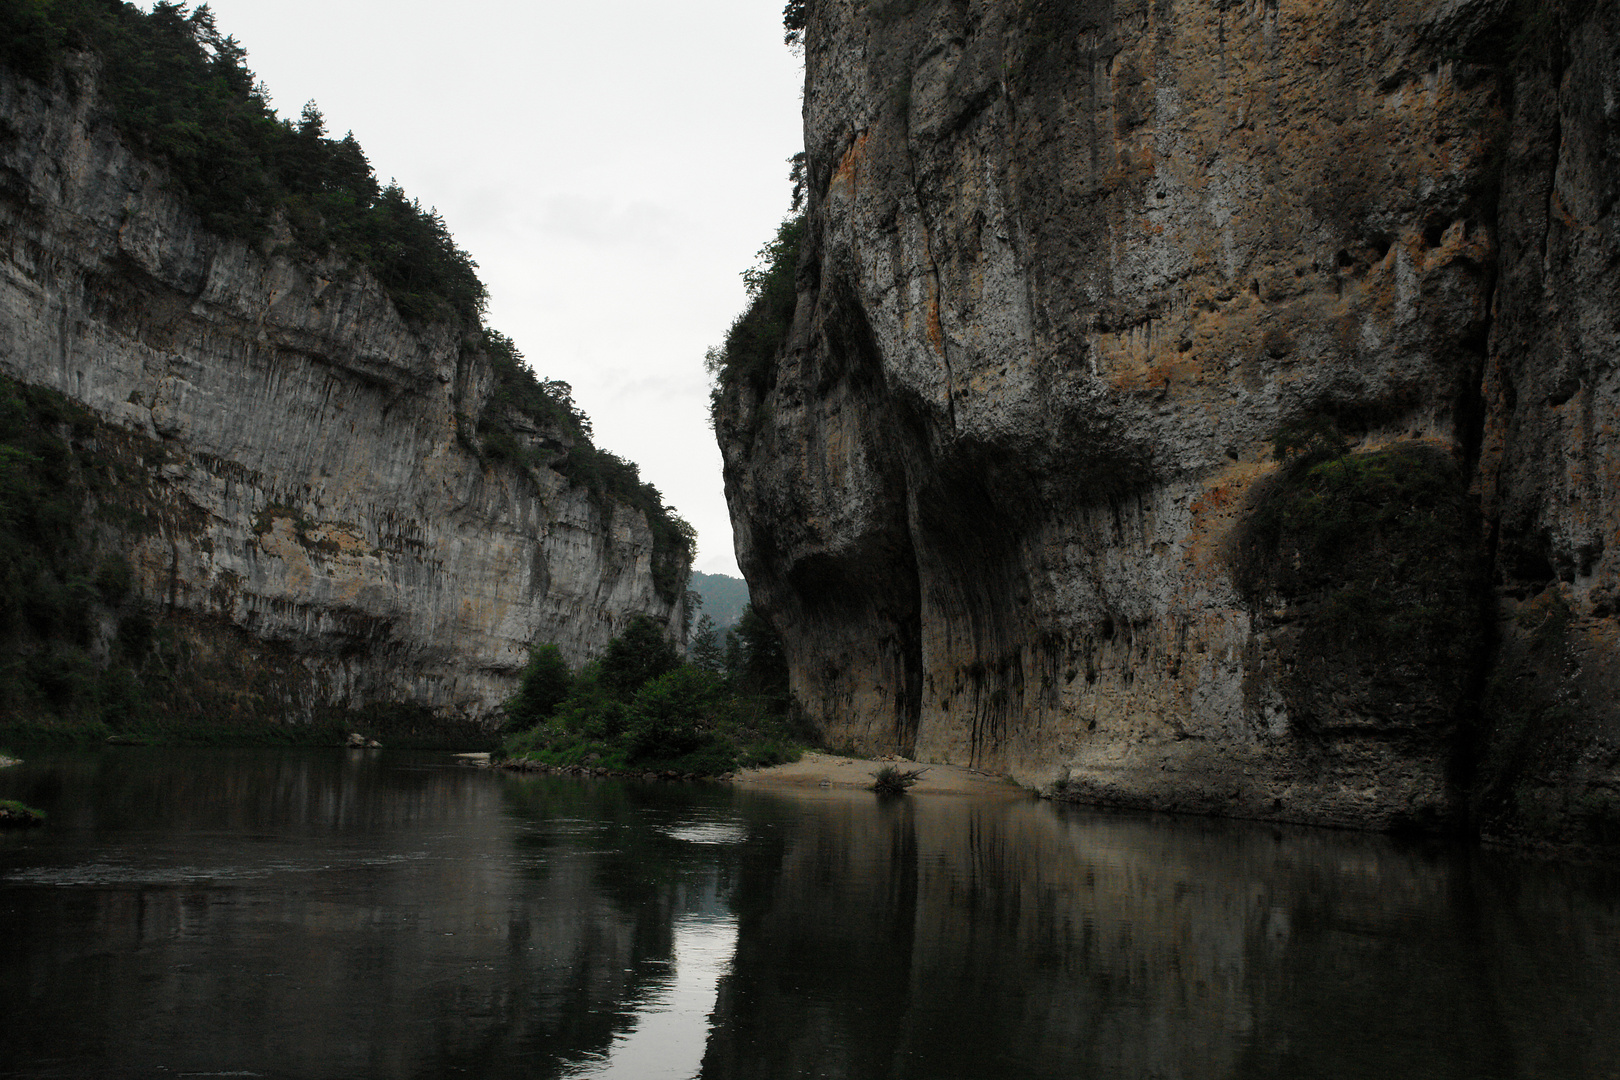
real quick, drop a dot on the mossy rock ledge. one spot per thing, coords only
(14, 815)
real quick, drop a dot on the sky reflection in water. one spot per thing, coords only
(672, 1027)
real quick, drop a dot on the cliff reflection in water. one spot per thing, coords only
(322, 915)
(939, 938)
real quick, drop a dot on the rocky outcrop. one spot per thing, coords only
(1077, 276)
(307, 474)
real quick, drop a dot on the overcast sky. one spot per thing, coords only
(612, 167)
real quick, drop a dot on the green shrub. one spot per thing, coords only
(675, 714)
(545, 685)
(637, 656)
(14, 813)
(1377, 555)
(639, 707)
(794, 17)
(592, 710)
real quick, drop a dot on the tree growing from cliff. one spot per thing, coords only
(794, 17)
(759, 666)
(748, 355)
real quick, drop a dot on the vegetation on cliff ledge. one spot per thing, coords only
(641, 708)
(14, 813)
(181, 93)
(747, 357)
(565, 446)
(1376, 559)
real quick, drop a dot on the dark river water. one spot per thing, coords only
(366, 914)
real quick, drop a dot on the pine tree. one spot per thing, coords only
(704, 650)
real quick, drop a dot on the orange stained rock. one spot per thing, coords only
(845, 173)
(936, 335)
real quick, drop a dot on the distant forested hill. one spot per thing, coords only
(723, 597)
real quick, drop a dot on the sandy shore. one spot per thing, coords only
(815, 770)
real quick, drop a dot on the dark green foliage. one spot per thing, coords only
(748, 356)
(794, 17)
(549, 402)
(53, 586)
(797, 175)
(182, 94)
(412, 253)
(703, 648)
(30, 41)
(545, 685)
(673, 715)
(592, 709)
(48, 582)
(639, 655)
(1301, 444)
(1379, 556)
(640, 708)
(723, 597)
(1324, 519)
(893, 780)
(14, 814)
(758, 665)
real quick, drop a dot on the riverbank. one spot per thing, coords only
(14, 815)
(821, 770)
(399, 728)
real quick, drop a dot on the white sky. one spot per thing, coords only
(612, 167)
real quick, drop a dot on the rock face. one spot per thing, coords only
(310, 480)
(1076, 275)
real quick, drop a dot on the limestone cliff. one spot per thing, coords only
(1076, 276)
(294, 470)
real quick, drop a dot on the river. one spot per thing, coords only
(338, 913)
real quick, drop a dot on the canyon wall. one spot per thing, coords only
(1206, 405)
(292, 470)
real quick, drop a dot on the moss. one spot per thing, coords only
(14, 813)
(1378, 557)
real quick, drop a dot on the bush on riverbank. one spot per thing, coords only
(641, 708)
(14, 813)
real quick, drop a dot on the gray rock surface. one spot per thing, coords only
(1070, 267)
(299, 439)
